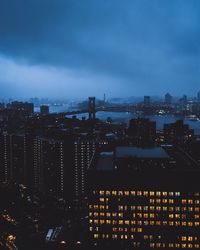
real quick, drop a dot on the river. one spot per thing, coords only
(125, 117)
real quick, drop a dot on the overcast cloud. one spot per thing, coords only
(76, 48)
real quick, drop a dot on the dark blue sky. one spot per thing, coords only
(76, 48)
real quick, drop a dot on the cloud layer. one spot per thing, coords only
(78, 48)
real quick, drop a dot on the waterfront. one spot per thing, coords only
(124, 117)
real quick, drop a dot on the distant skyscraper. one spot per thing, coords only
(147, 100)
(198, 96)
(183, 102)
(44, 109)
(142, 131)
(168, 99)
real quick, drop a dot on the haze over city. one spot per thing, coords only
(79, 48)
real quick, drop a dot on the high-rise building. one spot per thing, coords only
(49, 166)
(5, 166)
(142, 131)
(146, 100)
(44, 109)
(178, 133)
(138, 200)
(198, 96)
(168, 99)
(183, 103)
(83, 152)
(13, 157)
(2, 106)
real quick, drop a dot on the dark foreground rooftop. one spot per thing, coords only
(134, 152)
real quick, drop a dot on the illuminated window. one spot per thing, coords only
(183, 238)
(133, 208)
(152, 201)
(190, 223)
(108, 193)
(126, 222)
(96, 236)
(108, 221)
(158, 193)
(164, 223)
(120, 215)
(114, 222)
(133, 193)
(121, 222)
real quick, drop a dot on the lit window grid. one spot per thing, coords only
(159, 209)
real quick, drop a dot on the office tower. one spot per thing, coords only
(142, 132)
(146, 100)
(44, 109)
(168, 99)
(138, 200)
(91, 108)
(178, 133)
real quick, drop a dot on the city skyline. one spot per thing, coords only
(63, 49)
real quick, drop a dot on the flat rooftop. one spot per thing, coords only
(105, 161)
(134, 152)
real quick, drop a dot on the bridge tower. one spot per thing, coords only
(91, 108)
